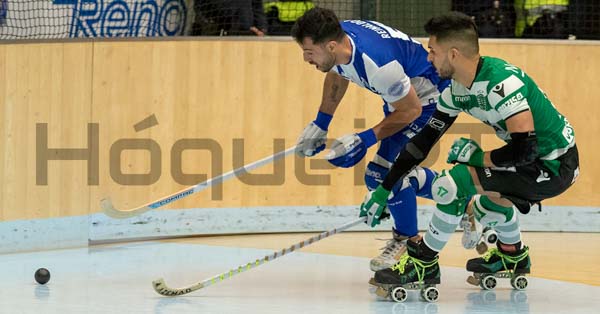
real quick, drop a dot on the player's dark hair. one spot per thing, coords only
(320, 25)
(455, 27)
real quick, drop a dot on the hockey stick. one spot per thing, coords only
(161, 287)
(108, 208)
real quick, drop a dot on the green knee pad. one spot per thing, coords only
(489, 213)
(451, 189)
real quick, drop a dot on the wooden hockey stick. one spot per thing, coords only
(108, 208)
(161, 287)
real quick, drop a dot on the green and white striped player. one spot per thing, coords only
(539, 160)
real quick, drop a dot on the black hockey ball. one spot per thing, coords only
(42, 276)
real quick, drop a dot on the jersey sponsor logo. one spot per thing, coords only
(512, 100)
(396, 89)
(568, 132)
(462, 98)
(481, 100)
(499, 89)
(506, 87)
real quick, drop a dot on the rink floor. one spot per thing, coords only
(117, 279)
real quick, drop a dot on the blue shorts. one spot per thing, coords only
(390, 147)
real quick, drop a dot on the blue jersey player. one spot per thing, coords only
(392, 65)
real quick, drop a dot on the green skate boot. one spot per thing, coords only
(418, 269)
(497, 263)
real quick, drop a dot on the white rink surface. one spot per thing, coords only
(117, 279)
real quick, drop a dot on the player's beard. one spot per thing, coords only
(446, 70)
(328, 64)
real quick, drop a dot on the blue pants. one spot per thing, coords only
(403, 204)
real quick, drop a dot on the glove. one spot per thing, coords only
(313, 138)
(350, 149)
(466, 151)
(374, 207)
(471, 231)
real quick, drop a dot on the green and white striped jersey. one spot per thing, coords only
(501, 90)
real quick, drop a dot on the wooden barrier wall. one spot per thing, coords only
(215, 93)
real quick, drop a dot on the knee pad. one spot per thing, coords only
(374, 175)
(421, 180)
(452, 188)
(491, 214)
(444, 188)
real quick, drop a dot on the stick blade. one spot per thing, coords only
(161, 288)
(109, 210)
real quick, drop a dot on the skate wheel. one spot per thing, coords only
(492, 238)
(399, 294)
(488, 282)
(519, 282)
(490, 235)
(430, 294)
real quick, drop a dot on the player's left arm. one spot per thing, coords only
(510, 98)
(519, 151)
(522, 148)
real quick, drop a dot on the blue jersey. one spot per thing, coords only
(387, 61)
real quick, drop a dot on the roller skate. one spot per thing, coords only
(390, 254)
(499, 264)
(473, 237)
(418, 269)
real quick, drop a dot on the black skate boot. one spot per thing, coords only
(418, 269)
(497, 263)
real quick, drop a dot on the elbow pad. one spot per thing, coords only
(521, 150)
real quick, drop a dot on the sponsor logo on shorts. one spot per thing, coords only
(488, 172)
(544, 176)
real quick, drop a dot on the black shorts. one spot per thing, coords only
(532, 183)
